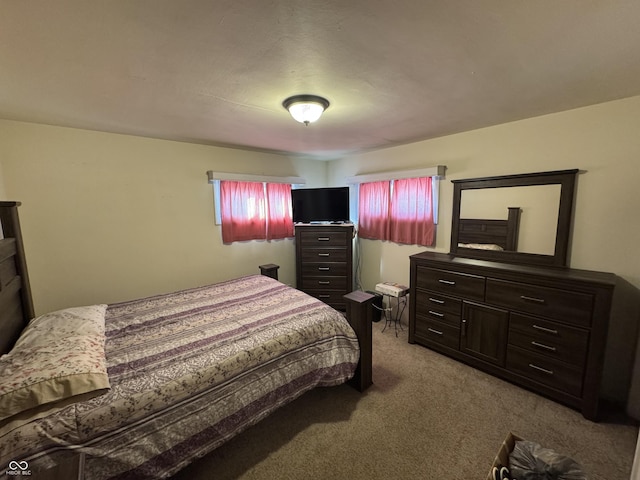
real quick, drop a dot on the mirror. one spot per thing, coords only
(523, 218)
(536, 227)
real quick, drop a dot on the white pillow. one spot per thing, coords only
(481, 246)
(59, 358)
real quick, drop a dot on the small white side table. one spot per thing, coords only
(399, 292)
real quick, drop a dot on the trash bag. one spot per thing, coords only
(530, 461)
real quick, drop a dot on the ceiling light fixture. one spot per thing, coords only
(306, 108)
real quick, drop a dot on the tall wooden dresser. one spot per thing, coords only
(542, 328)
(324, 262)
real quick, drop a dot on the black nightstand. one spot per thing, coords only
(269, 270)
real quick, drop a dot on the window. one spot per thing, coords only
(255, 211)
(401, 211)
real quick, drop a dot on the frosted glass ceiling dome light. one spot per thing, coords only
(306, 108)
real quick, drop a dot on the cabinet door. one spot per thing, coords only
(484, 332)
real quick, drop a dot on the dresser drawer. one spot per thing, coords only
(431, 301)
(541, 369)
(451, 283)
(324, 255)
(438, 332)
(566, 306)
(446, 318)
(324, 269)
(321, 238)
(324, 283)
(564, 343)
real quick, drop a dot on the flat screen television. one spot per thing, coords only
(312, 205)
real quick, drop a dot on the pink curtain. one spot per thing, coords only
(242, 211)
(373, 210)
(412, 212)
(279, 219)
(247, 214)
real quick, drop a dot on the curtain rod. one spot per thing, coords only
(437, 171)
(247, 177)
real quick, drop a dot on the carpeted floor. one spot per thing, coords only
(425, 417)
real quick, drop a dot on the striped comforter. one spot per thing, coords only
(191, 369)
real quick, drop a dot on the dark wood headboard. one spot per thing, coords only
(16, 303)
(493, 232)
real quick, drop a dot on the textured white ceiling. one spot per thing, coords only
(216, 72)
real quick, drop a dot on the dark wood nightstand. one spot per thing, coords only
(269, 270)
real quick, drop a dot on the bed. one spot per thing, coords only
(490, 234)
(178, 374)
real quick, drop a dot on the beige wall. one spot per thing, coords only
(601, 140)
(3, 195)
(108, 217)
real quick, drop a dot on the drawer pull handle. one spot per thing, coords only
(324, 282)
(437, 314)
(544, 329)
(323, 239)
(324, 296)
(437, 332)
(542, 345)
(436, 300)
(532, 299)
(540, 369)
(323, 254)
(323, 269)
(447, 282)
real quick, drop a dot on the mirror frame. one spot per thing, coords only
(565, 178)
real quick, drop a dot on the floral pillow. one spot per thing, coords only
(58, 358)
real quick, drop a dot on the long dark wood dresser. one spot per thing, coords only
(541, 328)
(324, 262)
